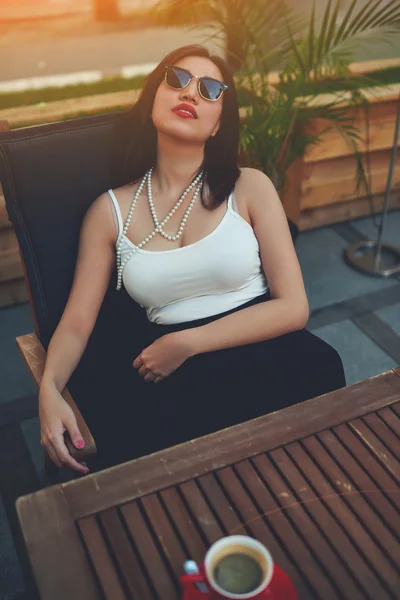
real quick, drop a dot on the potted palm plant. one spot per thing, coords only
(284, 63)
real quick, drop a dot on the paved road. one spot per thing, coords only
(80, 45)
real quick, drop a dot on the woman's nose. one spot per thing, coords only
(190, 92)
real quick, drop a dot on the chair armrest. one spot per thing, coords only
(34, 356)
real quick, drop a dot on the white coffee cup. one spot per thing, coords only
(238, 544)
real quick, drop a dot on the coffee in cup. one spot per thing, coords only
(238, 573)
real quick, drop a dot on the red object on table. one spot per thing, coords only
(280, 587)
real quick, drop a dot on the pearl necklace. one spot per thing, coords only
(198, 181)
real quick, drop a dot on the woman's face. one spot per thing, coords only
(170, 121)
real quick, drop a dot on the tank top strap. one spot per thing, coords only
(232, 203)
(117, 212)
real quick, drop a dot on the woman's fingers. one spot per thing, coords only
(143, 371)
(149, 376)
(137, 363)
(53, 454)
(54, 458)
(64, 456)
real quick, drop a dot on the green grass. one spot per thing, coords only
(51, 94)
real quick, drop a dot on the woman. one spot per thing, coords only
(205, 248)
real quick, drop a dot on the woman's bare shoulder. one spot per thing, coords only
(124, 195)
(251, 179)
(99, 215)
(257, 188)
(251, 184)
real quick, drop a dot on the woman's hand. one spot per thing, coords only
(56, 417)
(164, 356)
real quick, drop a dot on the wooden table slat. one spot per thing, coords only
(124, 554)
(233, 526)
(353, 563)
(376, 447)
(384, 433)
(391, 419)
(343, 515)
(300, 519)
(368, 460)
(361, 478)
(206, 522)
(168, 540)
(221, 505)
(196, 547)
(277, 526)
(386, 547)
(101, 559)
(396, 407)
(164, 585)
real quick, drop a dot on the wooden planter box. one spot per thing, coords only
(322, 185)
(12, 285)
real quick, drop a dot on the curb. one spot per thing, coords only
(45, 81)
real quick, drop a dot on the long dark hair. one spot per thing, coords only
(136, 135)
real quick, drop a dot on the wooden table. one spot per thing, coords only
(317, 483)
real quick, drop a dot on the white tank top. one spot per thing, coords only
(219, 272)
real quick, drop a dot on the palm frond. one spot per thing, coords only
(295, 49)
(367, 40)
(330, 36)
(321, 40)
(381, 15)
(374, 19)
(344, 22)
(311, 36)
(361, 17)
(335, 44)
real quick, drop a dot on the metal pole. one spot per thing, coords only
(388, 188)
(369, 256)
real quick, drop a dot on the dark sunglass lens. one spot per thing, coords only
(211, 88)
(177, 78)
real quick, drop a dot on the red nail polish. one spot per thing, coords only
(80, 444)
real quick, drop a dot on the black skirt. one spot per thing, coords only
(210, 391)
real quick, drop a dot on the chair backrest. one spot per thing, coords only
(50, 175)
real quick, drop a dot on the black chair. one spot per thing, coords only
(50, 174)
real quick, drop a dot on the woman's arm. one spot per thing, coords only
(288, 310)
(93, 270)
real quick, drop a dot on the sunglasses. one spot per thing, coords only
(209, 88)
